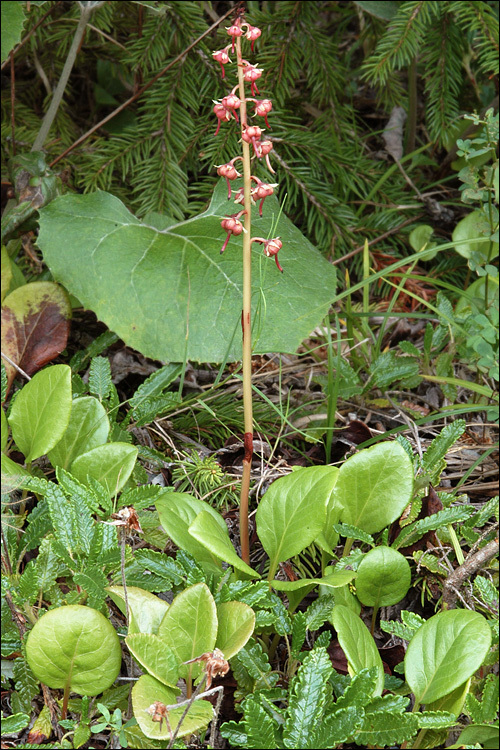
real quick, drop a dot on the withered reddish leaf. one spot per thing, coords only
(35, 326)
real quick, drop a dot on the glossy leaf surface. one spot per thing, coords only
(357, 643)
(375, 486)
(41, 411)
(445, 652)
(147, 691)
(88, 427)
(292, 512)
(146, 610)
(75, 646)
(236, 622)
(384, 577)
(155, 656)
(111, 464)
(208, 531)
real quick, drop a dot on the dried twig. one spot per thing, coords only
(472, 564)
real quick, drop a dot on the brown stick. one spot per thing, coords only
(377, 239)
(472, 564)
(140, 92)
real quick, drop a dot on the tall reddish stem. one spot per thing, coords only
(246, 320)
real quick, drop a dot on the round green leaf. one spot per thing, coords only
(384, 577)
(445, 652)
(145, 284)
(147, 691)
(75, 646)
(472, 227)
(236, 625)
(88, 427)
(110, 464)
(292, 512)
(190, 626)
(374, 486)
(41, 411)
(357, 643)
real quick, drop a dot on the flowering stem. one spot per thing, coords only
(246, 320)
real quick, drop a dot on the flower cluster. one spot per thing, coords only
(225, 110)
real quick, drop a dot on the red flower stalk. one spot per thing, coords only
(264, 148)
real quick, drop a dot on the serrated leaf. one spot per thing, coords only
(319, 611)
(352, 532)
(25, 683)
(14, 723)
(100, 377)
(359, 692)
(94, 582)
(260, 728)
(155, 383)
(337, 728)
(299, 629)
(441, 444)
(415, 531)
(255, 662)
(159, 564)
(436, 720)
(141, 497)
(62, 516)
(115, 260)
(309, 695)
(13, 20)
(386, 729)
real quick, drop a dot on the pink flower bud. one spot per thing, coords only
(264, 148)
(234, 31)
(230, 172)
(222, 114)
(262, 109)
(252, 34)
(232, 225)
(251, 132)
(271, 247)
(251, 74)
(222, 58)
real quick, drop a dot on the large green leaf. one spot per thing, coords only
(77, 647)
(41, 411)
(209, 533)
(236, 624)
(146, 285)
(384, 577)
(145, 609)
(147, 691)
(190, 626)
(177, 511)
(445, 652)
(357, 643)
(375, 486)
(155, 656)
(292, 513)
(88, 427)
(13, 20)
(111, 464)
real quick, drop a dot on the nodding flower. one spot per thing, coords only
(262, 109)
(271, 247)
(229, 172)
(252, 134)
(252, 34)
(222, 114)
(222, 58)
(234, 30)
(262, 191)
(232, 225)
(263, 149)
(251, 73)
